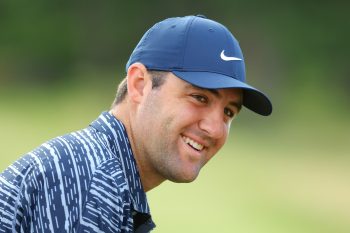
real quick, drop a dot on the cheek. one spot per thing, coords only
(151, 109)
(191, 113)
(181, 114)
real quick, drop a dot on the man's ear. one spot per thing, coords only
(138, 81)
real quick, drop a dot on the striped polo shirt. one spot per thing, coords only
(85, 181)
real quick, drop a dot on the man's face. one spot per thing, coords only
(179, 127)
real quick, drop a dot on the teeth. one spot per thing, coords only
(192, 143)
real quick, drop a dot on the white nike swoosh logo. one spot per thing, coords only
(225, 58)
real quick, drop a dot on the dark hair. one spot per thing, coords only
(158, 79)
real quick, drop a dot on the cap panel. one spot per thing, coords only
(162, 45)
(206, 41)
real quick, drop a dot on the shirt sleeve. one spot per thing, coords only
(16, 196)
(103, 210)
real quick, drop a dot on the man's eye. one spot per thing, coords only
(228, 112)
(200, 98)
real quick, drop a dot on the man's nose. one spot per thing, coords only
(213, 124)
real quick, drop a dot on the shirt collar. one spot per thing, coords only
(119, 143)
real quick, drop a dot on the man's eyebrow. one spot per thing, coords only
(215, 92)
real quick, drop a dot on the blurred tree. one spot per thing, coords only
(288, 42)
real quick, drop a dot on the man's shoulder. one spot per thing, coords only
(78, 150)
(85, 144)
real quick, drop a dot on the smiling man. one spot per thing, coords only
(185, 84)
(189, 124)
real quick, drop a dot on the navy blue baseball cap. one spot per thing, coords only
(202, 52)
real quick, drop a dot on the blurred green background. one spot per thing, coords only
(60, 63)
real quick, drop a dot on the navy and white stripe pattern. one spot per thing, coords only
(85, 181)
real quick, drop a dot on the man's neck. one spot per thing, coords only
(149, 178)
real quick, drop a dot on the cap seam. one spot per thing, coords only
(186, 40)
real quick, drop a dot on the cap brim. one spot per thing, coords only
(253, 99)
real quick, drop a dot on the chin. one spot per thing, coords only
(184, 178)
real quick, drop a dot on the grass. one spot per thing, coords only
(279, 174)
(242, 190)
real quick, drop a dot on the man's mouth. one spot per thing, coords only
(195, 145)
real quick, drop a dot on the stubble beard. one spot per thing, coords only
(164, 154)
(167, 160)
